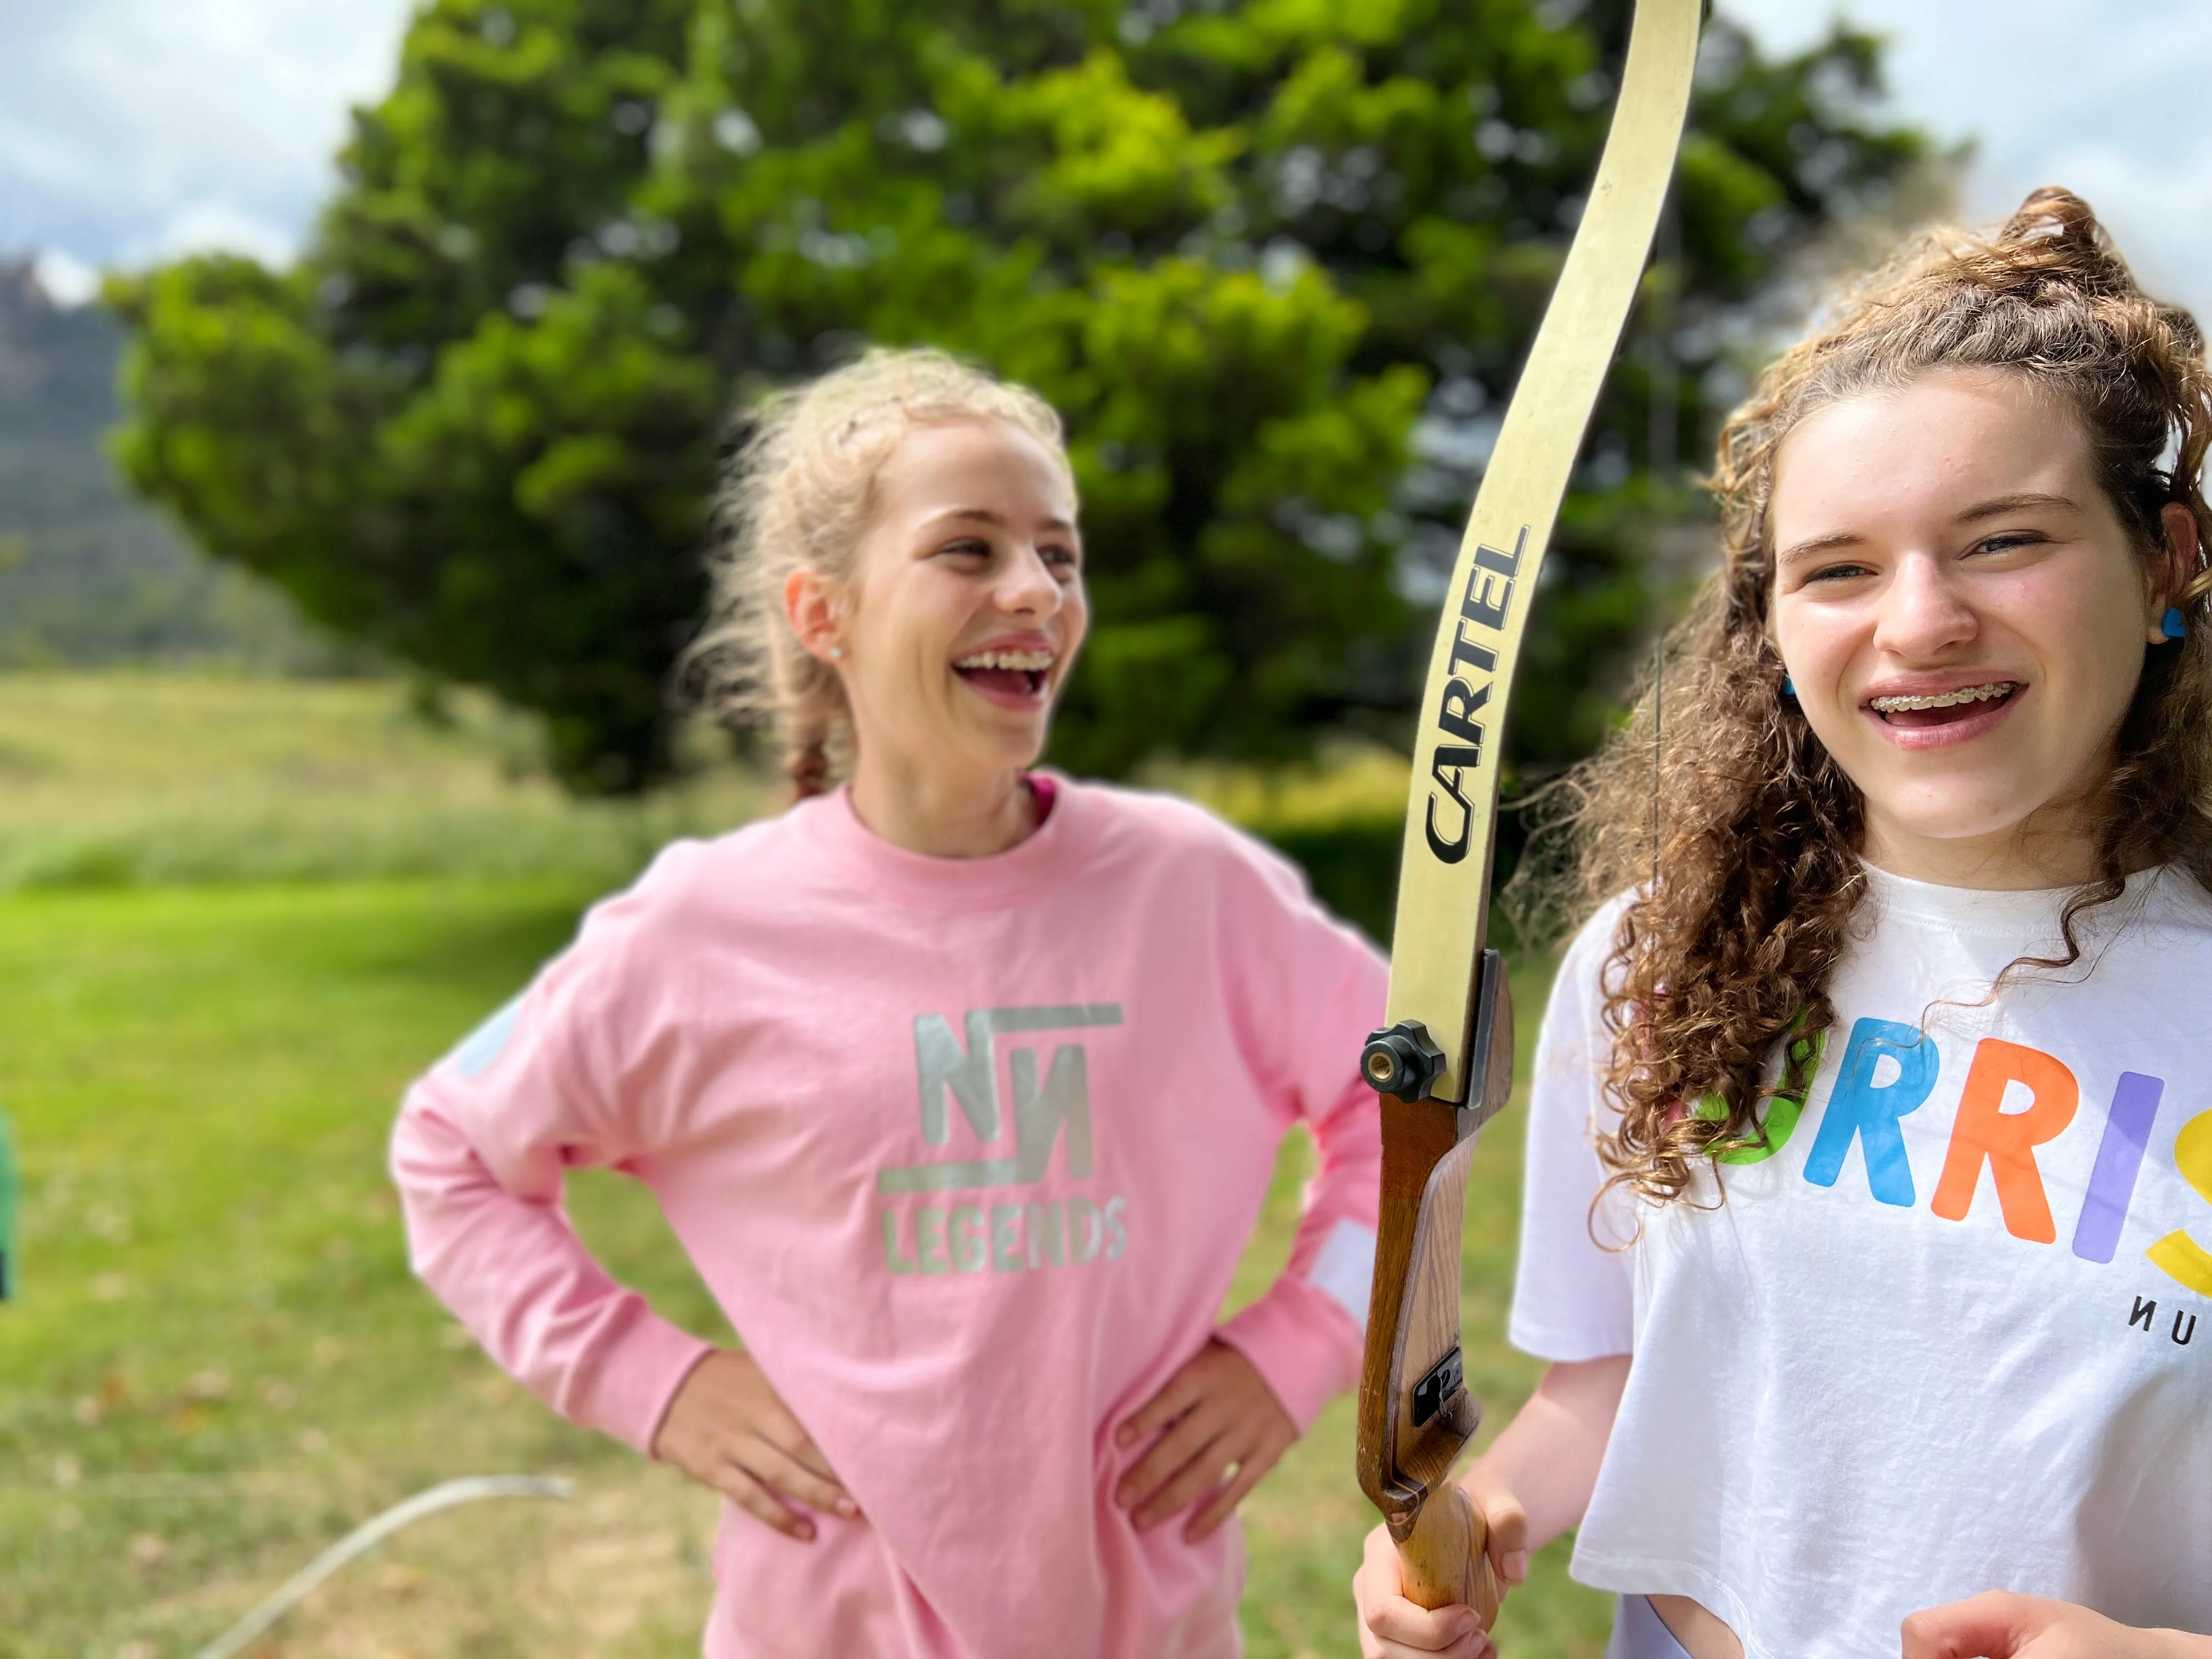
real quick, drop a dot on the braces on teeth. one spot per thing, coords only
(1942, 699)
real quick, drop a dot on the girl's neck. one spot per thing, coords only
(2024, 858)
(943, 816)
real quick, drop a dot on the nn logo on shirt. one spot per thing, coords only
(1048, 1111)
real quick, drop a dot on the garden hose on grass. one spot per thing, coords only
(365, 1537)
(302, 1584)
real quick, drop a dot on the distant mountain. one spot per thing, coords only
(89, 574)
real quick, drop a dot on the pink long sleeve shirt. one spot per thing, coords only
(967, 1149)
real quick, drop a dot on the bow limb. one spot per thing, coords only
(1444, 1066)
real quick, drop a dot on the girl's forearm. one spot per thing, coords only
(1548, 1456)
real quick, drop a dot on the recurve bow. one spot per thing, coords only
(1444, 1063)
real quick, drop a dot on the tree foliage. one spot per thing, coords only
(1277, 262)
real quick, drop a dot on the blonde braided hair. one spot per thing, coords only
(801, 493)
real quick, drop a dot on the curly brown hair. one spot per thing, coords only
(1733, 830)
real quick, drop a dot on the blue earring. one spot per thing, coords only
(1788, 686)
(2172, 624)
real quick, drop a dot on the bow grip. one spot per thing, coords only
(1445, 1556)
(1416, 1415)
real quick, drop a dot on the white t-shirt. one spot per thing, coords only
(1954, 1333)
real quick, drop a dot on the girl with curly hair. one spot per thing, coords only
(1869, 1219)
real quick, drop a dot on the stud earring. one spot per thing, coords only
(2174, 624)
(1789, 687)
(837, 653)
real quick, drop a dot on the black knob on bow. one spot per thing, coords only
(1400, 1060)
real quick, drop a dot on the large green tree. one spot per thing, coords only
(1276, 260)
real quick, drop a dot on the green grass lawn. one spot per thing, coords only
(219, 1363)
(130, 778)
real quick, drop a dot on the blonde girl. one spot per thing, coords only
(961, 1082)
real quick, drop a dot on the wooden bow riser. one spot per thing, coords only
(1406, 1454)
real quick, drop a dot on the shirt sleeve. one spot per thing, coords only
(1322, 989)
(1574, 1291)
(478, 1154)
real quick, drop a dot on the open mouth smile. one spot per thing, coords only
(1010, 678)
(1964, 711)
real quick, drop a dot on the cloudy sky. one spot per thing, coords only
(2105, 97)
(134, 129)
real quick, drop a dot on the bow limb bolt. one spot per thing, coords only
(1444, 1063)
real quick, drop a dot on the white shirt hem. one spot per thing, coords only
(1629, 1575)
